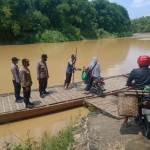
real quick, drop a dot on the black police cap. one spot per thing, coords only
(44, 56)
(14, 59)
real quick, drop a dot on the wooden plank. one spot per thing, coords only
(1, 106)
(41, 99)
(9, 103)
(4, 110)
(60, 95)
(63, 95)
(15, 102)
(52, 95)
(12, 102)
(38, 111)
(107, 105)
(51, 99)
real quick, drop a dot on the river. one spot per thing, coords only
(116, 56)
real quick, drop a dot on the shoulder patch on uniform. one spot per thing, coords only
(22, 72)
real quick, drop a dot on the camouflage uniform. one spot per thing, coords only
(26, 82)
(42, 74)
(16, 80)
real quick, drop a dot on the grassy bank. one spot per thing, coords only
(53, 36)
(63, 140)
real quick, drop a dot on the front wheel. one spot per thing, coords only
(146, 128)
(99, 91)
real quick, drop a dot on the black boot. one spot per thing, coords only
(20, 97)
(29, 106)
(45, 92)
(18, 100)
(30, 103)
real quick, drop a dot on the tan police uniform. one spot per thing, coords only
(26, 83)
(16, 80)
(42, 74)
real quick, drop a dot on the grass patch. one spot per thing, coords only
(63, 140)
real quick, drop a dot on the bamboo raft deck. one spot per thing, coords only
(57, 100)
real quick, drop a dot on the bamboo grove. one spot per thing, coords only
(30, 21)
(141, 25)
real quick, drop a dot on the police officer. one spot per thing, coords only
(16, 79)
(42, 75)
(26, 82)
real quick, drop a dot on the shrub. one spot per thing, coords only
(52, 36)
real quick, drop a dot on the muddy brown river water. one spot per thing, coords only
(116, 56)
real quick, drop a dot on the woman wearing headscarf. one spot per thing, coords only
(94, 72)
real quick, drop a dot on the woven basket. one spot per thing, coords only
(127, 105)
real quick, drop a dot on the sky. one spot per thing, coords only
(135, 8)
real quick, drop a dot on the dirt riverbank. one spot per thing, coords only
(144, 36)
(100, 132)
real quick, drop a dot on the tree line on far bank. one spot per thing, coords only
(141, 25)
(32, 21)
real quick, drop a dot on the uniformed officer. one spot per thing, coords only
(26, 82)
(42, 75)
(16, 79)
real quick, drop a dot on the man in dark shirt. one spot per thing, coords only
(69, 71)
(140, 76)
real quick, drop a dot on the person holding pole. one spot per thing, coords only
(69, 71)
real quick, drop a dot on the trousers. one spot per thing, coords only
(42, 85)
(26, 94)
(89, 83)
(17, 89)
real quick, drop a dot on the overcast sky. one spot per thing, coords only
(136, 8)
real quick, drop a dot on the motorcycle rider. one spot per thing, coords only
(140, 76)
(94, 72)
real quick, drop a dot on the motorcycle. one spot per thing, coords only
(98, 86)
(144, 113)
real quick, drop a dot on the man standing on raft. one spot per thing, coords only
(42, 75)
(69, 71)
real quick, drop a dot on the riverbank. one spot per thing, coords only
(56, 37)
(104, 133)
(141, 36)
(96, 131)
(52, 36)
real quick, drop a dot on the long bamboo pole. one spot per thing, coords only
(74, 67)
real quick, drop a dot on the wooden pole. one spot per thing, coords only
(74, 66)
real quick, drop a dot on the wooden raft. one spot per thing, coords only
(57, 100)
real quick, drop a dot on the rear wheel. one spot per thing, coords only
(146, 128)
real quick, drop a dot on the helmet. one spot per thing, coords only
(143, 60)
